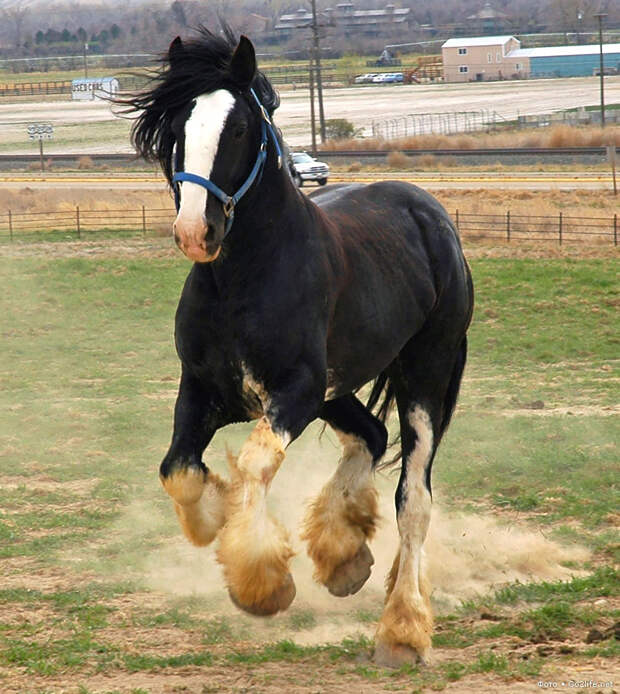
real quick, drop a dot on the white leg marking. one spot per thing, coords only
(407, 619)
(340, 520)
(254, 548)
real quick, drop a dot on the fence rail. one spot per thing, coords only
(508, 226)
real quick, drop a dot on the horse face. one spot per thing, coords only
(214, 140)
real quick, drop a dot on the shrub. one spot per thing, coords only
(85, 162)
(339, 129)
(398, 160)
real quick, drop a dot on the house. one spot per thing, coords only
(345, 19)
(480, 58)
(485, 58)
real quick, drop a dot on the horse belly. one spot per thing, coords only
(362, 343)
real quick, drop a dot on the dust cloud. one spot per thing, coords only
(468, 555)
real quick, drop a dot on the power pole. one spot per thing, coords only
(312, 116)
(600, 16)
(316, 54)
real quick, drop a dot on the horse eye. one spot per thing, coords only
(240, 130)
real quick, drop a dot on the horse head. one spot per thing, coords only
(206, 124)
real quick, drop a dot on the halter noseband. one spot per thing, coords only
(229, 201)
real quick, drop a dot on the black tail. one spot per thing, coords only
(449, 402)
(382, 395)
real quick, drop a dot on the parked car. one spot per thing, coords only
(388, 77)
(364, 79)
(305, 168)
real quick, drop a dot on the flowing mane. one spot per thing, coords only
(202, 67)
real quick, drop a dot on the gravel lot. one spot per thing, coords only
(358, 104)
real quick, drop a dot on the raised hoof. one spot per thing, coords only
(278, 601)
(348, 577)
(396, 655)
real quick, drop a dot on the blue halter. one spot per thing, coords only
(229, 201)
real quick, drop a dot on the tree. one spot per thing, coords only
(179, 13)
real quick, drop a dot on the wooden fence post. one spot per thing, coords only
(10, 225)
(615, 230)
(77, 220)
(508, 226)
(560, 230)
(457, 220)
(143, 221)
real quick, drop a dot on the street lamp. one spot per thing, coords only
(600, 16)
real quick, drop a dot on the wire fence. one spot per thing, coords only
(508, 226)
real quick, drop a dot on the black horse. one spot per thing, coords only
(293, 304)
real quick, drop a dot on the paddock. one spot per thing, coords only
(101, 593)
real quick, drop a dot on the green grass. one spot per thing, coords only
(88, 377)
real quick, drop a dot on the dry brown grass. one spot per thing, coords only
(29, 199)
(555, 136)
(86, 162)
(577, 203)
(398, 160)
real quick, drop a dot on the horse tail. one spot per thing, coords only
(382, 397)
(381, 386)
(449, 401)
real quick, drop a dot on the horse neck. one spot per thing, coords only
(269, 202)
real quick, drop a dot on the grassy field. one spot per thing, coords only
(99, 593)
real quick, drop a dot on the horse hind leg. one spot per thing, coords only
(254, 548)
(404, 631)
(405, 628)
(343, 517)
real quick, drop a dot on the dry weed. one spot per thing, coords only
(86, 162)
(398, 160)
(554, 137)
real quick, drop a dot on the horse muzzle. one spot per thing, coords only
(197, 243)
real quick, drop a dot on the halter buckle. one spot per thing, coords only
(228, 207)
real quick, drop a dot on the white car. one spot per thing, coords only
(305, 168)
(365, 79)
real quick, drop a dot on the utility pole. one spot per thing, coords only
(85, 63)
(316, 54)
(312, 116)
(600, 16)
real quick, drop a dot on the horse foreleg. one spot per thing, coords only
(254, 549)
(199, 495)
(404, 631)
(344, 515)
(340, 521)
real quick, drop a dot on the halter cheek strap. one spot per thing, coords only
(229, 201)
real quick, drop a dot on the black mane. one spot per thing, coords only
(202, 67)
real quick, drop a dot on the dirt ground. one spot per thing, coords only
(509, 99)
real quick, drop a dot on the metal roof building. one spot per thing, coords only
(568, 61)
(483, 58)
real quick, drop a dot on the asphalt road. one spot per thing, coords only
(361, 105)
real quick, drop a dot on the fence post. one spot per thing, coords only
(560, 230)
(508, 225)
(10, 225)
(77, 220)
(143, 221)
(457, 220)
(615, 229)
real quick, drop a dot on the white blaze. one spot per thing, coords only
(203, 129)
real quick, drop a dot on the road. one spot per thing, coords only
(574, 180)
(361, 105)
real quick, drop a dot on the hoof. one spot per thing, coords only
(278, 601)
(348, 577)
(395, 655)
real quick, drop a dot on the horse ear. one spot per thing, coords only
(243, 63)
(175, 51)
